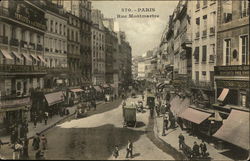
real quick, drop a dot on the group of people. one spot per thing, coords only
(36, 145)
(129, 150)
(198, 151)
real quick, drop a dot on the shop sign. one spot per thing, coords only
(14, 102)
(24, 12)
(232, 84)
(235, 70)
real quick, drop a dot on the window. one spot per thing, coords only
(212, 55)
(56, 27)
(51, 26)
(60, 29)
(204, 53)
(204, 73)
(205, 22)
(197, 76)
(244, 8)
(227, 51)
(38, 39)
(204, 3)
(244, 47)
(196, 54)
(198, 5)
(227, 11)
(64, 30)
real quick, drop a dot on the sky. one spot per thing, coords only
(143, 34)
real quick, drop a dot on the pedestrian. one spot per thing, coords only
(180, 122)
(181, 141)
(44, 142)
(158, 110)
(35, 120)
(165, 124)
(129, 149)
(196, 150)
(203, 148)
(13, 137)
(46, 116)
(116, 152)
(25, 148)
(36, 142)
(17, 148)
(93, 104)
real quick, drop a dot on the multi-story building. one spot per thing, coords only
(204, 34)
(182, 43)
(98, 48)
(232, 72)
(56, 46)
(22, 29)
(74, 56)
(82, 10)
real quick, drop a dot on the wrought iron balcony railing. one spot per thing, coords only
(21, 68)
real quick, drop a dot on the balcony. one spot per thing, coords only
(206, 85)
(21, 68)
(212, 31)
(39, 47)
(32, 46)
(14, 42)
(4, 39)
(204, 33)
(23, 44)
(58, 70)
(14, 100)
(232, 70)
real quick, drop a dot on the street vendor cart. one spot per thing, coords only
(129, 115)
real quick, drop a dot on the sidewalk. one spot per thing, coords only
(172, 139)
(41, 127)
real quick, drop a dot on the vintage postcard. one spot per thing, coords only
(124, 80)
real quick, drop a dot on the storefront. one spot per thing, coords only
(75, 95)
(54, 102)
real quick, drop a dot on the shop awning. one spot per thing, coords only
(16, 55)
(6, 54)
(235, 129)
(27, 57)
(97, 88)
(105, 86)
(194, 116)
(34, 57)
(112, 85)
(54, 98)
(179, 105)
(41, 58)
(223, 94)
(77, 90)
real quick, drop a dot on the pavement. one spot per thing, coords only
(171, 138)
(41, 127)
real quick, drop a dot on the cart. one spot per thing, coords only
(129, 115)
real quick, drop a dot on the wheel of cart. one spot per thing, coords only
(129, 115)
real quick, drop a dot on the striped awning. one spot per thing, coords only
(17, 55)
(34, 57)
(27, 57)
(41, 58)
(54, 98)
(6, 54)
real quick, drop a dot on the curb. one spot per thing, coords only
(181, 156)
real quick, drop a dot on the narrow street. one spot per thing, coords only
(95, 136)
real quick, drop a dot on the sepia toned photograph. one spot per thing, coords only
(124, 80)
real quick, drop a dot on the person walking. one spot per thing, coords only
(93, 104)
(116, 152)
(203, 148)
(44, 142)
(129, 149)
(196, 150)
(181, 141)
(36, 142)
(17, 149)
(165, 124)
(35, 120)
(46, 116)
(25, 148)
